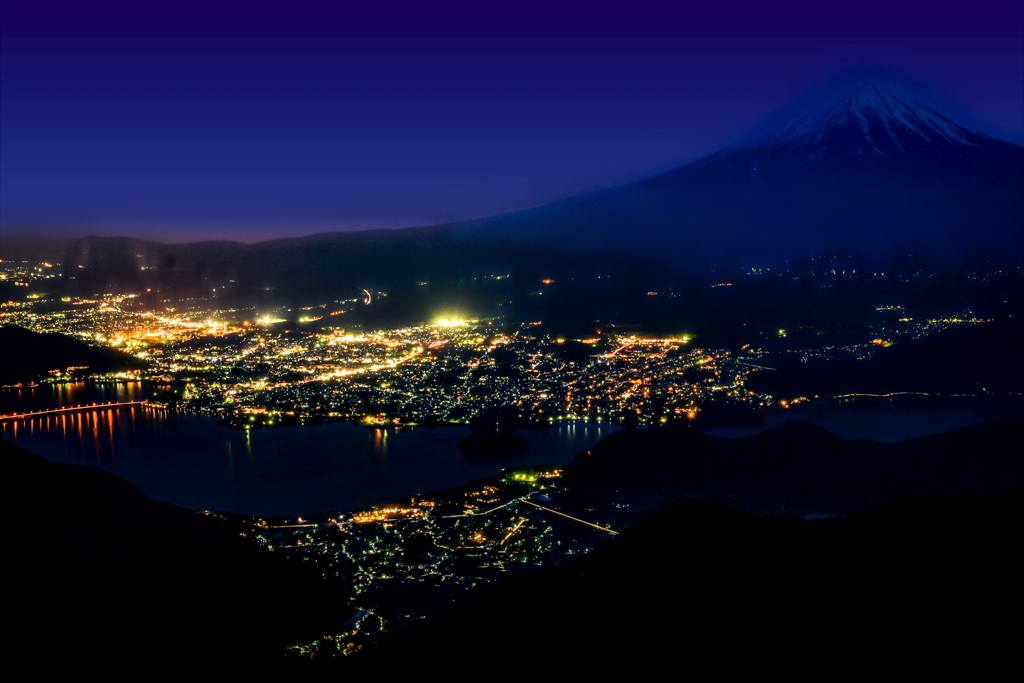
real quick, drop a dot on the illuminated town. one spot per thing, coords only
(403, 561)
(251, 370)
(350, 338)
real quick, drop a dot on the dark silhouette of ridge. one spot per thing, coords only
(99, 573)
(797, 465)
(29, 355)
(920, 576)
(702, 586)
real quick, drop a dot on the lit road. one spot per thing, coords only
(575, 519)
(513, 531)
(524, 500)
(761, 367)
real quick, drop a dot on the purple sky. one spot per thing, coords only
(245, 120)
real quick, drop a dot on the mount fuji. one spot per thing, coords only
(872, 168)
(871, 116)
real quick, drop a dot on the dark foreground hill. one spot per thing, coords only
(921, 580)
(798, 467)
(30, 354)
(97, 572)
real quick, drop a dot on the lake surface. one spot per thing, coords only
(187, 460)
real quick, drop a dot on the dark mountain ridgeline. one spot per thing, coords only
(589, 289)
(421, 274)
(134, 580)
(798, 466)
(702, 585)
(28, 355)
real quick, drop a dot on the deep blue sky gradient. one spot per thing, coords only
(179, 121)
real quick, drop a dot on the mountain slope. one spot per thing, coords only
(872, 168)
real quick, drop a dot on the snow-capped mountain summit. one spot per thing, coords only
(872, 168)
(873, 117)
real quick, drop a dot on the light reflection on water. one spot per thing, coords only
(67, 394)
(188, 460)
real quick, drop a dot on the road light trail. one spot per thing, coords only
(513, 531)
(514, 500)
(895, 393)
(499, 507)
(762, 367)
(612, 354)
(575, 519)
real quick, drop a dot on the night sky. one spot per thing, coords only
(185, 121)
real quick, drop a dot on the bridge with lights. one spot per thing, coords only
(32, 414)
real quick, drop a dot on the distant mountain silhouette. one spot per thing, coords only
(798, 466)
(871, 168)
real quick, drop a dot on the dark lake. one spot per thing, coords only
(186, 459)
